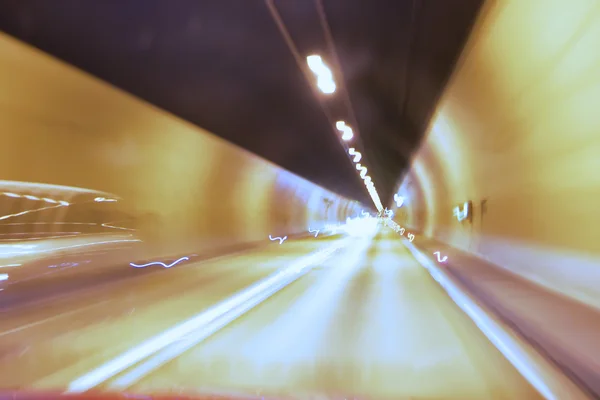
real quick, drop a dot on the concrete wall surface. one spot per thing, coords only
(187, 188)
(517, 133)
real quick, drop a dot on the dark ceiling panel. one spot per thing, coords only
(223, 65)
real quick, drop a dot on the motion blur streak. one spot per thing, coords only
(497, 187)
(160, 263)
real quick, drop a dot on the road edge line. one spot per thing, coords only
(546, 378)
(174, 350)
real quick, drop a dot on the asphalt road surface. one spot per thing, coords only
(354, 316)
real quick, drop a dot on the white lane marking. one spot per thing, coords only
(54, 317)
(179, 347)
(162, 340)
(35, 252)
(550, 382)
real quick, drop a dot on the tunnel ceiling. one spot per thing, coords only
(225, 66)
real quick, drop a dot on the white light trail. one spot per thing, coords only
(357, 156)
(345, 129)
(363, 170)
(327, 86)
(437, 253)
(281, 239)
(103, 199)
(160, 263)
(462, 214)
(324, 76)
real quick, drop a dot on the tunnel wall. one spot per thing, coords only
(189, 188)
(517, 132)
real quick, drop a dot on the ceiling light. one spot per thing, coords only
(363, 170)
(356, 154)
(327, 86)
(345, 129)
(324, 76)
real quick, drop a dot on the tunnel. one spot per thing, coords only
(141, 253)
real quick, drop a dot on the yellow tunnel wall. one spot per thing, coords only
(190, 188)
(518, 127)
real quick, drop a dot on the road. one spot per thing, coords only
(364, 319)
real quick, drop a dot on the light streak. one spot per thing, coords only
(32, 197)
(347, 135)
(438, 257)
(324, 76)
(357, 156)
(315, 231)
(141, 359)
(393, 225)
(160, 263)
(107, 225)
(399, 200)
(347, 131)
(52, 249)
(334, 229)
(461, 214)
(327, 86)
(3, 277)
(50, 223)
(281, 239)
(10, 265)
(31, 211)
(67, 264)
(363, 170)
